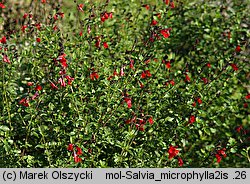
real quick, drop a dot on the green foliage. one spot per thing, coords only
(182, 81)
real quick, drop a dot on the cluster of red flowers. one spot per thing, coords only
(145, 74)
(76, 153)
(61, 14)
(234, 66)
(25, 101)
(172, 152)
(3, 40)
(170, 3)
(2, 6)
(140, 122)
(192, 119)
(114, 74)
(170, 82)
(220, 153)
(165, 32)
(105, 16)
(240, 129)
(197, 100)
(98, 43)
(128, 100)
(167, 64)
(94, 75)
(27, 15)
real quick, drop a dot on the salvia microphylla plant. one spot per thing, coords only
(161, 83)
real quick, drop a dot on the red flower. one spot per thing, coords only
(151, 121)
(247, 96)
(38, 40)
(147, 72)
(115, 73)
(172, 4)
(220, 153)
(194, 104)
(94, 75)
(103, 18)
(3, 40)
(168, 64)
(79, 151)
(141, 85)
(80, 33)
(61, 14)
(55, 17)
(205, 80)
(154, 22)
(6, 59)
(199, 101)
(25, 15)
(77, 158)
(165, 32)
(234, 66)
(131, 63)
(70, 147)
(62, 60)
(80, 6)
(43, 1)
(35, 95)
(218, 157)
(38, 88)
(172, 82)
(172, 152)
(192, 119)
(70, 79)
(237, 49)
(110, 15)
(128, 101)
(143, 75)
(62, 82)
(166, 1)
(180, 162)
(122, 71)
(55, 28)
(146, 6)
(140, 127)
(89, 29)
(187, 78)
(245, 105)
(38, 26)
(208, 65)
(23, 28)
(24, 102)
(105, 45)
(53, 86)
(2, 5)
(29, 83)
(239, 128)
(97, 43)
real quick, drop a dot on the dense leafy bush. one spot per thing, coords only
(125, 84)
